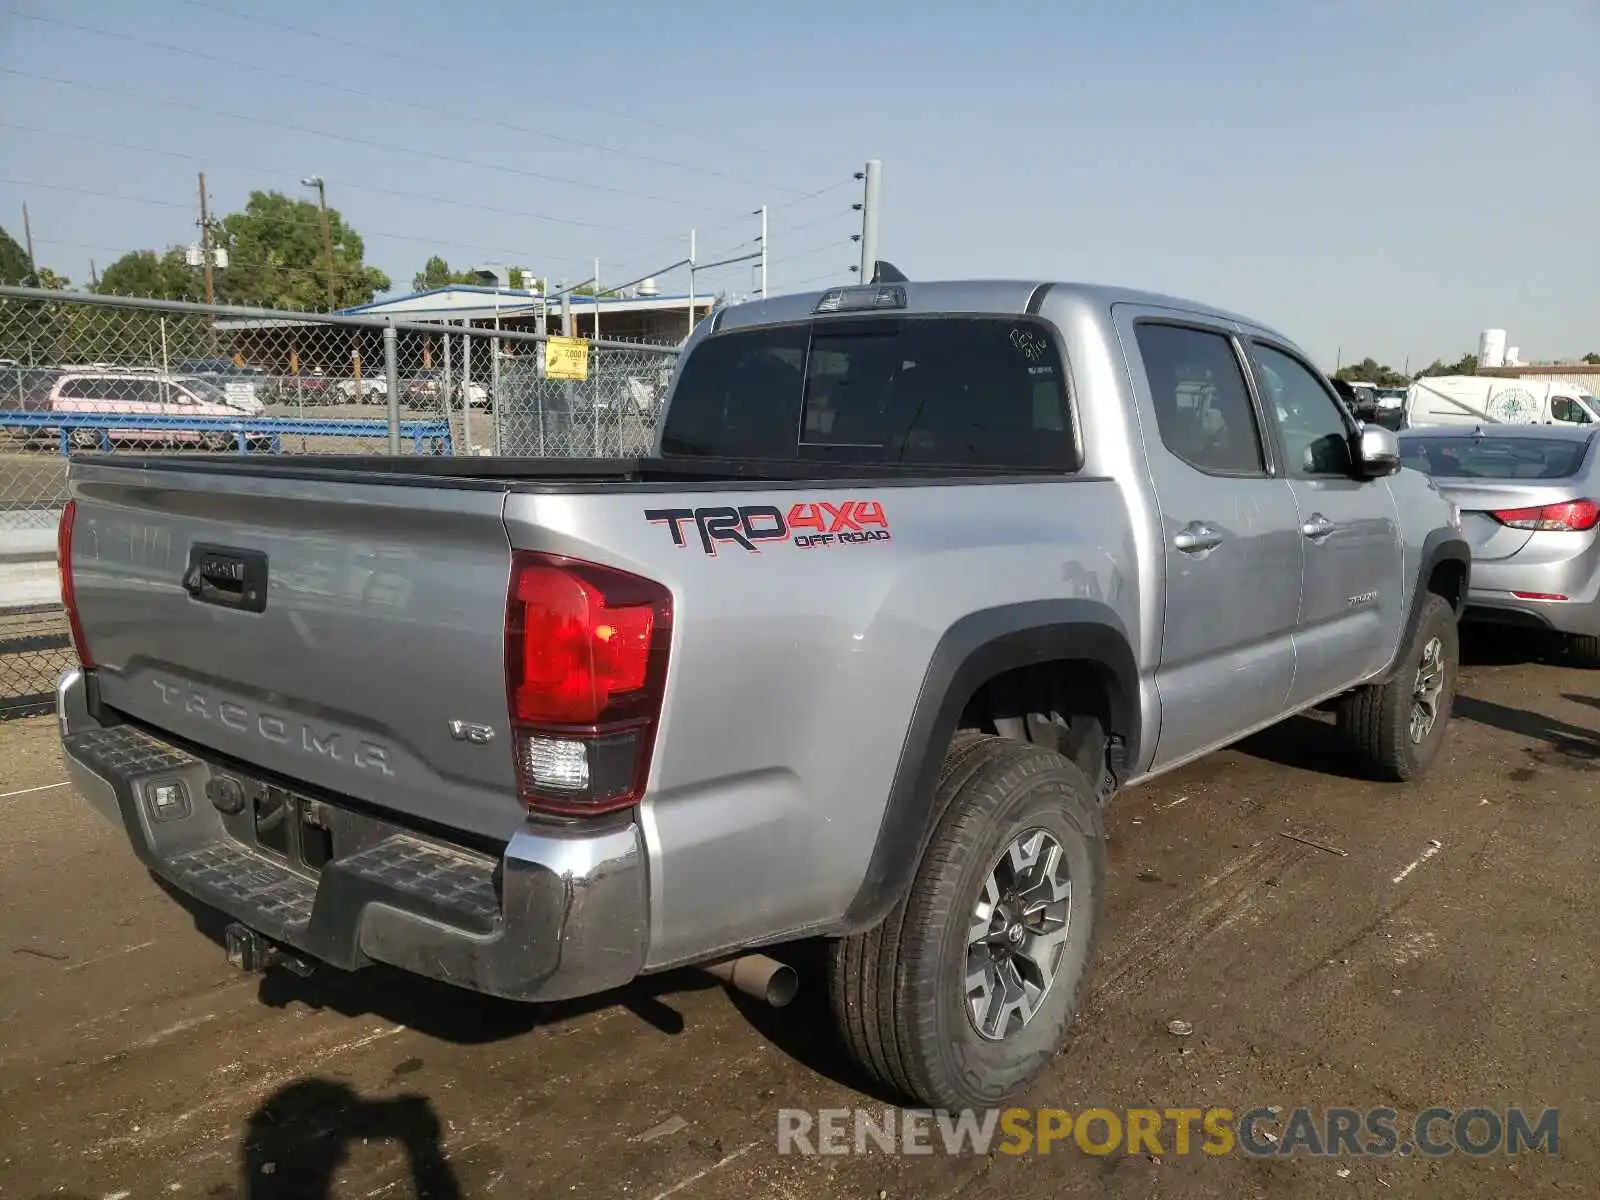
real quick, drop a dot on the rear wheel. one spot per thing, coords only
(1584, 649)
(967, 989)
(1396, 728)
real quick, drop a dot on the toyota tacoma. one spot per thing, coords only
(916, 577)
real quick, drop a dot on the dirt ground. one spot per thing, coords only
(135, 1063)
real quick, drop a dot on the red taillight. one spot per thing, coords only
(586, 659)
(69, 591)
(1573, 516)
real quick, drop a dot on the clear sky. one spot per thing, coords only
(1383, 178)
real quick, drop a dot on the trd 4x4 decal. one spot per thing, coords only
(808, 525)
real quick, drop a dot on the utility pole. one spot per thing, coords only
(763, 251)
(205, 241)
(691, 281)
(327, 232)
(27, 234)
(871, 193)
(596, 332)
(94, 276)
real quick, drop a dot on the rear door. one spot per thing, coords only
(1229, 527)
(1353, 584)
(364, 619)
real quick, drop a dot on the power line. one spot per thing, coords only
(353, 269)
(800, 283)
(415, 60)
(823, 191)
(745, 215)
(833, 216)
(392, 147)
(309, 223)
(399, 102)
(833, 244)
(346, 184)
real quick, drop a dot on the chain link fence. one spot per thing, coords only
(98, 374)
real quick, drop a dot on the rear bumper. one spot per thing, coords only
(1561, 616)
(557, 915)
(1551, 564)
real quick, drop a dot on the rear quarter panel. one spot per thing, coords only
(794, 673)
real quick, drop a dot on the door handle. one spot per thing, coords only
(1197, 538)
(1317, 528)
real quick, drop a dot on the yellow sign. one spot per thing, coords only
(566, 358)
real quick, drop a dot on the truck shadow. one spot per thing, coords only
(1307, 743)
(1573, 743)
(1485, 644)
(1311, 742)
(438, 1009)
(296, 1141)
(804, 1030)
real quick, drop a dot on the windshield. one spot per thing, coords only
(207, 391)
(1493, 457)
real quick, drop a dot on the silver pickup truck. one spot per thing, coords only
(918, 576)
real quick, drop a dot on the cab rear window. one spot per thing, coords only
(931, 391)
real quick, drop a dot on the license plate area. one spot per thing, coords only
(281, 824)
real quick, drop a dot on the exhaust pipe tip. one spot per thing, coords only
(766, 979)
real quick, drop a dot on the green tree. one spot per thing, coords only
(143, 273)
(436, 273)
(1467, 364)
(276, 259)
(1592, 359)
(14, 265)
(1373, 372)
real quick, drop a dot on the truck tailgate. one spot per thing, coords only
(381, 621)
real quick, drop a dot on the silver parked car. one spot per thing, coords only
(1528, 498)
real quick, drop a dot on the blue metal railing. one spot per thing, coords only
(261, 434)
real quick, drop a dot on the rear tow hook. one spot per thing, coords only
(250, 951)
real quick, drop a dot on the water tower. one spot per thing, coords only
(1492, 348)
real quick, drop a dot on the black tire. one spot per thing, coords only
(1584, 649)
(898, 991)
(1376, 719)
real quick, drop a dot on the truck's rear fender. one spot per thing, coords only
(796, 673)
(980, 648)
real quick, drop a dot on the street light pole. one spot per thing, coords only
(327, 231)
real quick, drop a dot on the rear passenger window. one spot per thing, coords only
(935, 391)
(1203, 408)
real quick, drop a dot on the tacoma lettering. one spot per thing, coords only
(308, 739)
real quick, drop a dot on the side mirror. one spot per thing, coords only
(1377, 452)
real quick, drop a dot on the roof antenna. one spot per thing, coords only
(887, 272)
